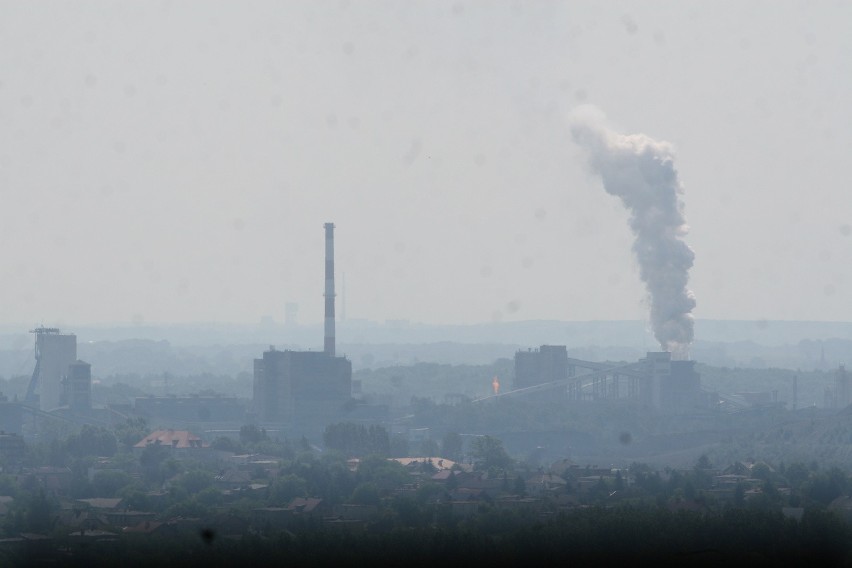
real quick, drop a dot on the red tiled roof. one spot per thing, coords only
(436, 462)
(171, 438)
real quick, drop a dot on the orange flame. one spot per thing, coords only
(495, 385)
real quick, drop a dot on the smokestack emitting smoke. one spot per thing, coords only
(329, 289)
(640, 171)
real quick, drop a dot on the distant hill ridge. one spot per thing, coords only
(628, 333)
(228, 349)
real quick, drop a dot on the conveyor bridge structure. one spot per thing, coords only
(590, 381)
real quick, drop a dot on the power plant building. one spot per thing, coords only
(289, 386)
(79, 386)
(305, 388)
(546, 364)
(670, 384)
(842, 388)
(54, 353)
(655, 380)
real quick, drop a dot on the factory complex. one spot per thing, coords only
(301, 392)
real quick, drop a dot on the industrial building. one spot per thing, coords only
(291, 384)
(673, 384)
(841, 395)
(78, 385)
(305, 389)
(656, 380)
(60, 389)
(59, 379)
(54, 352)
(544, 365)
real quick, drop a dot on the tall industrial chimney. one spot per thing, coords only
(329, 289)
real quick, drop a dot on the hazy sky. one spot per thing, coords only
(175, 161)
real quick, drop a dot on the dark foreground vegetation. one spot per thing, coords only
(590, 536)
(360, 495)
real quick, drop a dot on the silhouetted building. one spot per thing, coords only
(290, 386)
(655, 380)
(546, 364)
(842, 390)
(79, 386)
(670, 384)
(306, 389)
(54, 353)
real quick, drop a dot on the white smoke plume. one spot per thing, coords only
(640, 171)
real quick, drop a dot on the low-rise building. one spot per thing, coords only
(179, 442)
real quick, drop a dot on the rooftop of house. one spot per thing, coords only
(101, 502)
(436, 462)
(171, 438)
(234, 476)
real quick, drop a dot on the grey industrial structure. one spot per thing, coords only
(291, 385)
(305, 389)
(295, 389)
(60, 389)
(656, 380)
(59, 378)
(841, 395)
(78, 386)
(547, 364)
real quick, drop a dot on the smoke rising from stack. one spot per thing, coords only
(640, 171)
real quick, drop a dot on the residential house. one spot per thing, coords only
(179, 442)
(232, 479)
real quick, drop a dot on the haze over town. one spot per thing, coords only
(395, 282)
(172, 161)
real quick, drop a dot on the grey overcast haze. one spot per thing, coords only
(175, 161)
